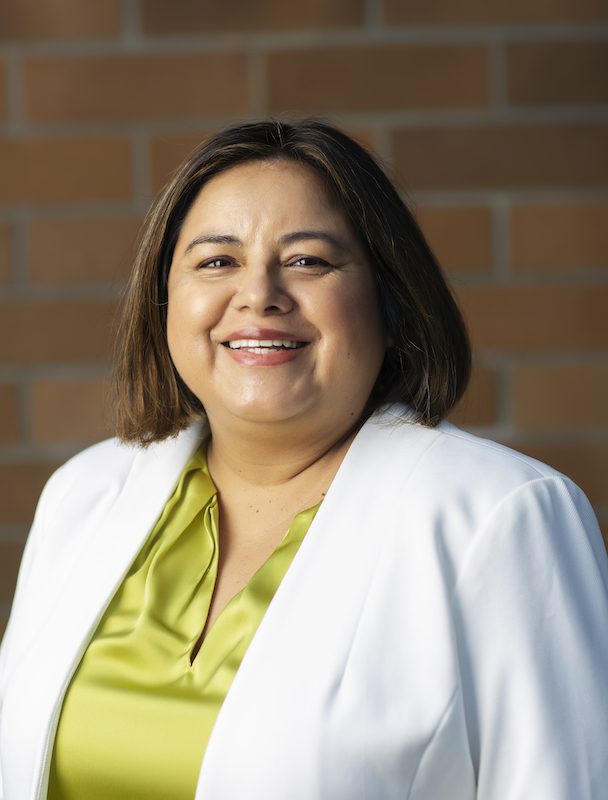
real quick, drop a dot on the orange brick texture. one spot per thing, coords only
(503, 157)
(64, 170)
(55, 331)
(461, 238)
(69, 411)
(556, 73)
(208, 16)
(547, 396)
(492, 117)
(59, 19)
(82, 250)
(466, 12)
(559, 236)
(377, 78)
(166, 86)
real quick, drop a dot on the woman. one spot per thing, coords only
(289, 578)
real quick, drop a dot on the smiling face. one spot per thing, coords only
(273, 310)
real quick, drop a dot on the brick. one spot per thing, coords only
(135, 87)
(56, 331)
(461, 238)
(561, 396)
(466, 12)
(5, 254)
(64, 170)
(203, 16)
(59, 19)
(10, 558)
(559, 236)
(503, 156)
(69, 411)
(20, 487)
(377, 78)
(479, 406)
(167, 153)
(557, 73)
(9, 423)
(586, 464)
(3, 90)
(520, 318)
(364, 136)
(82, 250)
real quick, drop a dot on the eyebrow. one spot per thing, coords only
(287, 238)
(301, 236)
(212, 239)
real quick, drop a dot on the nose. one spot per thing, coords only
(261, 289)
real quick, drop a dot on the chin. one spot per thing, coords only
(265, 413)
(277, 409)
(268, 406)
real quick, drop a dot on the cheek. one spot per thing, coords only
(357, 329)
(177, 326)
(361, 315)
(189, 316)
(184, 332)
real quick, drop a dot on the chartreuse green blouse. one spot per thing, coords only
(138, 713)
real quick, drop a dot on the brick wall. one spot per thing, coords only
(493, 116)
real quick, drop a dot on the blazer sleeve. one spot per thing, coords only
(531, 610)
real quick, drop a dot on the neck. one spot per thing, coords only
(268, 455)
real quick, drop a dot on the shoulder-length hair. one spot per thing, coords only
(427, 362)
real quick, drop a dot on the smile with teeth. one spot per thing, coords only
(263, 346)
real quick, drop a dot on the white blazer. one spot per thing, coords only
(442, 633)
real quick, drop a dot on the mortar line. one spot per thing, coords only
(13, 532)
(15, 93)
(21, 281)
(24, 408)
(373, 18)
(501, 257)
(321, 37)
(256, 82)
(131, 30)
(140, 168)
(414, 118)
(497, 79)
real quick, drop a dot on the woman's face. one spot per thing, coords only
(273, 310)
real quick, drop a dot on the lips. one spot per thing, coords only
(264, 346)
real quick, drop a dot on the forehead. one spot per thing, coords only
(281, 189)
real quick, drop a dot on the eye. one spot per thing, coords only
(310, 261)
(216, 263)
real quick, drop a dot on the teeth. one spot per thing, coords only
(261, 345)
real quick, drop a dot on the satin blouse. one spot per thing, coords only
(139, 712)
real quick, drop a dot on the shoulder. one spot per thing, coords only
(109, 463)
(87, 486)
(110, 457)
(456, 457)
(446, 480)
(488, 453)
(92, 471)
(479, 462)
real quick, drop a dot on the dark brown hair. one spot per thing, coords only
(427, 363)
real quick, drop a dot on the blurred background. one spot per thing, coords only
(492, 115)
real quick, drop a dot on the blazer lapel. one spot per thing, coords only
(79, 605)
(316, 610)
